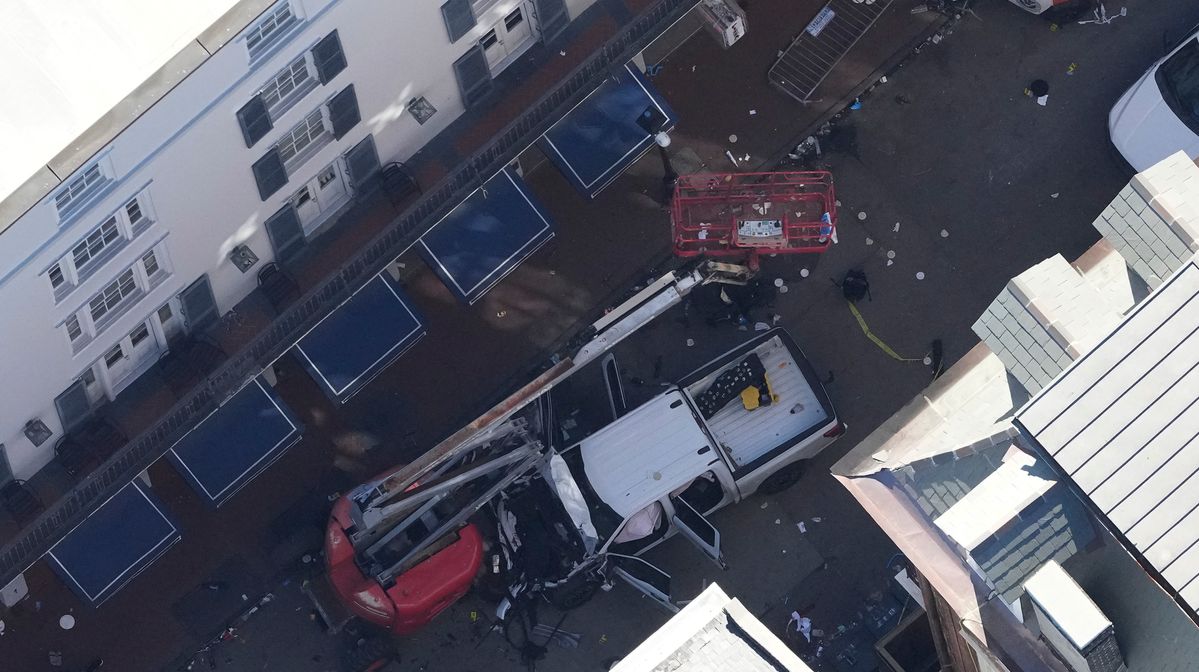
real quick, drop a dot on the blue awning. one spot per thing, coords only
(359, 339)
(609, 130)
(236, 442)
(488, 235)
(119, 540)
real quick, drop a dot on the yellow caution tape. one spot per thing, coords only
(878, 341)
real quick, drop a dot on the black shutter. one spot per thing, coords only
(270, 174)
(285, 232)
(255, 121)
(552, 18)
(328, 57)
(199, 305)
(343, 111)
(362, 161)
(474, 76)
(459, 18)
(73, 406)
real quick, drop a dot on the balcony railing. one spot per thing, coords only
(32, 542)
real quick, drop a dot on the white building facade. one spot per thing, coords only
(163, 138)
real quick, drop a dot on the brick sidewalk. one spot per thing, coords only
(602, 247)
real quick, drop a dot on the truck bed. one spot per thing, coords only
(748, 436)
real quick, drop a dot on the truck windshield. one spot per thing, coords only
(605, 519)
(1178, 79)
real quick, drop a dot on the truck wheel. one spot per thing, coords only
(783, 478)
(573, 596)
(368, 655)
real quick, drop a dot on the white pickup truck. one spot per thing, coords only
(660, 468)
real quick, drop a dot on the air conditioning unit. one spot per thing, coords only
(724, 19)
(1070, 623)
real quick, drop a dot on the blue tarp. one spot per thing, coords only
(236, 442)
(486, 236)
(359, 339)
(609, 130)
(119, 540)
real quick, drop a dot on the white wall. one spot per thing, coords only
(188, 148)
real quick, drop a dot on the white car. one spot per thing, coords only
(1159, 114)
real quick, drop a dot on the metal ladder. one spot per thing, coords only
(823, 43)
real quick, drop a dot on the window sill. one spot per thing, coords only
(85, 203)
(276, 43)
(288, 102)
(114, 314)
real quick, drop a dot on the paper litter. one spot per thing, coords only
(861, 216)
(803, 529)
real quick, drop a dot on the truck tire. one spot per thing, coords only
(574, 595)
(783, 478)
(368, 655)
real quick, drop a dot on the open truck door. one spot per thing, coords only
(646, 578)
(692, 525)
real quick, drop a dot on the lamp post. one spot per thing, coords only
(669, 176)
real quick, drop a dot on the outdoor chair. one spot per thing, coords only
(277, 286)
(399, 183)
(20, 501)
(74, 457)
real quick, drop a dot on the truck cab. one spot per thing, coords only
(659, 469)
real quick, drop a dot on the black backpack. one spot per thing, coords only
(855, 286)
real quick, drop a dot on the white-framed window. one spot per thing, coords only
(80, 190)
(269, 30)
(94, 244)
(480, 6)
(113, 295)
(305, 138)
(289, 86)
(99, 245)
(118, 296)
(114, 355)
(74, 331)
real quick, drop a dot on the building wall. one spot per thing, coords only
(186, 161)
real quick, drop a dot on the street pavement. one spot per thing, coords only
(948, 143)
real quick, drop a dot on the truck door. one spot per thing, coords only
(692, 525)
(641, 575)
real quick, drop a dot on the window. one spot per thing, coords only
(513, 20)
(308, 134)
(1178, 79)
(113, 295)
(133, 210)
(56, 277)
(88, 378)
(150, 263)
(113, 356)
(269, 30)
(141, 333)
(99, 245)
(74, 331)
(95, 242)
(77, 192)
(489, 40)
(287, 87)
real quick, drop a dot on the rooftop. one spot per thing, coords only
(83, 71)
(1122, 424)
(713, 633)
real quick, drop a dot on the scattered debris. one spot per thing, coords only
(919, 275)
(817, 519)
(803, 529)
(937, 38)
(1055, 194)
(944, 233)
(761, 326)
(803, 273)
(1072, 68)
(690, 342)
(752, 112)
(861, 215)
(869, 241)
(1101, 17)
(856, 104)
(562, 53)
(776, 318)
(889, 262)
(784, 289)
(882, 80)
(66, 621)
(764, 505)
(733, 138)
(896, 229)
(778, 521)
(890, 254)
(928, 361)
(501, 314)
(732, 158)
(1038, 89)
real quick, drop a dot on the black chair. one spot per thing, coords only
(74, 457)
(20, 501)
(399, 182)
(279, 288)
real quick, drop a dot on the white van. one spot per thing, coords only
(1159, 114)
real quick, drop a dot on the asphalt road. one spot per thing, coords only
(982, 184)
